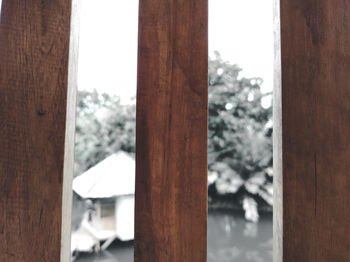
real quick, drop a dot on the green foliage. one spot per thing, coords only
(240, 129)
(104, 126)
(239, 142)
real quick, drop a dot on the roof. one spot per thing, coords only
(113, 176)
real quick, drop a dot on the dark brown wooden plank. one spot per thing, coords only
(171, 139)
(34, 47)
(315, 46)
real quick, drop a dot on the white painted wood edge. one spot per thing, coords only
(277, 141)
(67, 193)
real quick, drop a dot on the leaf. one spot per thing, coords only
(254, 183)
(228, 182)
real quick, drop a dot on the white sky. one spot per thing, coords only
(242, 31)
(108, 46)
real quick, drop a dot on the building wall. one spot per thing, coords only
(125, 217)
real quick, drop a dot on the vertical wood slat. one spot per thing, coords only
(68, 168)
(34, 48)
(171, 137)
(277, 141)
(315, 51)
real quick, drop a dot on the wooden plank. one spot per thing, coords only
(315, 45)
(171, 137)
(34, 47)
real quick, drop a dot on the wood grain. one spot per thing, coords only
(171, 139)
(34, 47)
(315, 46)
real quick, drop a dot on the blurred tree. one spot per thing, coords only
(240, 136)
(104, 126)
